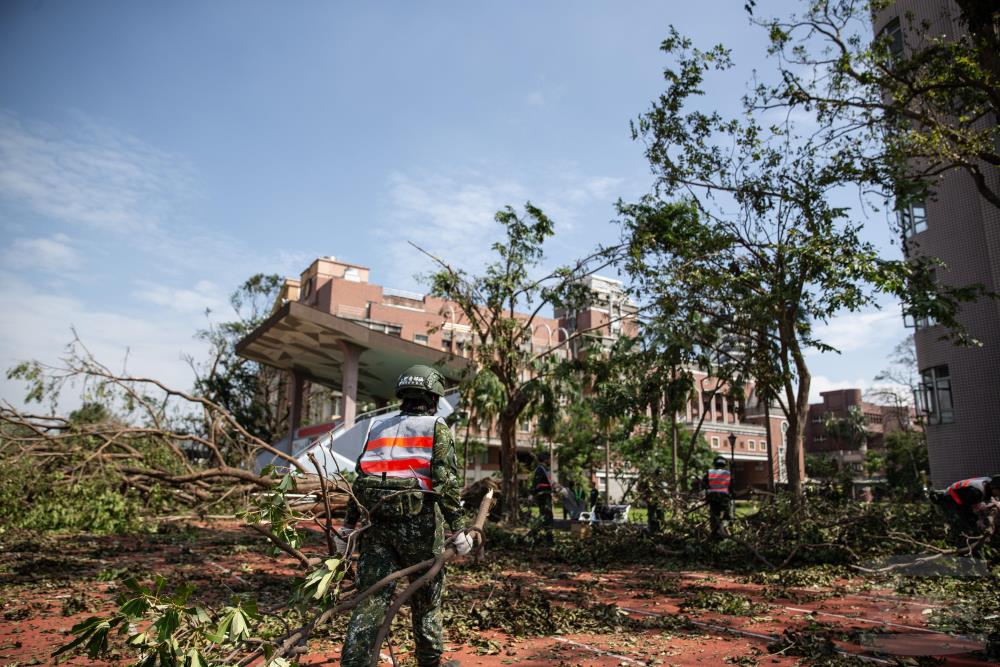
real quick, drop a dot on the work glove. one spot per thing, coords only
(340, 540)
(463, 543)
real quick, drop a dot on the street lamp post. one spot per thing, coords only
(732, 453)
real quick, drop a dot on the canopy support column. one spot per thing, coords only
(349, 382)
(294, 405)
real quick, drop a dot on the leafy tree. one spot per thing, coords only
(821, 467)
(904, 108)
(741, 218)
(91, 412)
(906, 463)
(850, 430)
(580, 449)
(483, 396)
(255, 394)
(899, 380)
(491, 303)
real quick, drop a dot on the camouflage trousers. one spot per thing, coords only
(384, 548)
(544, 503)
(719, 508)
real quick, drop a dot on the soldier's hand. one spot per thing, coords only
(340, 540)
(463, 543)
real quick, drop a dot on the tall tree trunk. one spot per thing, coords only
(671, 404)
(770, 444)
(508, 465)
(673, 446)
(799, 409)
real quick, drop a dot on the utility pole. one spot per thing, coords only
(607, 469)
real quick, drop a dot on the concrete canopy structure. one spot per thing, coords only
(319, 347)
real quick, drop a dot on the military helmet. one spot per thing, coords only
(719, 462)
(422, 379)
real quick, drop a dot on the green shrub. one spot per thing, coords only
(34, 498)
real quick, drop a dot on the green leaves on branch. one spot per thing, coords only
(323, 583)
(272, 508)
(177, 633)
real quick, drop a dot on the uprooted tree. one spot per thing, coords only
(188, 451)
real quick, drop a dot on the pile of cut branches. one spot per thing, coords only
(136, 444)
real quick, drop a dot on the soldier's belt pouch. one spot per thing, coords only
(392, 498)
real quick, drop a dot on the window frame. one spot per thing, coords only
(935, 391)
(910, 221)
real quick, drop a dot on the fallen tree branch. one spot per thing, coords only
(289, 644)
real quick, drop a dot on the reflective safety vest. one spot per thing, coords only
(401, 446)
(978, 483)
(543, 481)
(718, 480)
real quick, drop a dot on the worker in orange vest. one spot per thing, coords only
(541, 489)
(718, 483)
(408, 487)
(973, 502)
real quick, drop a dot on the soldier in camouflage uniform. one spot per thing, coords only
(408, 482)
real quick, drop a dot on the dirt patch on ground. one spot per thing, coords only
(637, 615)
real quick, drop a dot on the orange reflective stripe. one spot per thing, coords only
(954, 496)
(416, 468)
(392, 465)
(424, 442)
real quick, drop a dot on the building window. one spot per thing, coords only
(752, 445)
(420, 338)
(817, 419)
(715, 442)
(892, 33)
(912, 218)
(525, 426)
(935, 401)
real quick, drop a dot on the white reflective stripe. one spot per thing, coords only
(397, 452)
(404, 426)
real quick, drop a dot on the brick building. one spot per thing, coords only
(344, 340)
(879, 421)
(960, 386)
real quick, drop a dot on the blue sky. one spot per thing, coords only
(153, 155)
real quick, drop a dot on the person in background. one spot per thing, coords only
(541, 490)
(718, 484)
(973, 503)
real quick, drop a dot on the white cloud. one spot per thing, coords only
(89, 175)
(453, 216)
(53, 254)
(37, 325)
(855, 331)
(205, 295)
(545, 94)
(535, 99)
